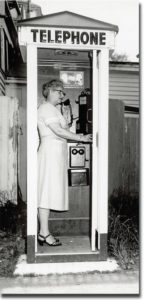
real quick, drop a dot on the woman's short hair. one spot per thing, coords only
(51, 85)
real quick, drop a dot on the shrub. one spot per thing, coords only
(123, 231)
(12, 216)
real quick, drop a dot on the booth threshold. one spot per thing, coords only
(73, 248)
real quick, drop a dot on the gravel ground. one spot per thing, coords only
(125, 282)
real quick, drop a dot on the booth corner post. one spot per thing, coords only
(31, 150)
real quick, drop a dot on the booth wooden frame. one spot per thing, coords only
(99, 157)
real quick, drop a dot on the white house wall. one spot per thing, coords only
(124, 86)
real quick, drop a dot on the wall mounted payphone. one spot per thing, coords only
(78, 170)
(84, 123)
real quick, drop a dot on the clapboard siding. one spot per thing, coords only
(124, 92)
(115, 75)
(134, 89)
(120, 84)
(124, 86)
(133, 103)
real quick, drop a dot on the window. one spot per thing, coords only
(72, 79)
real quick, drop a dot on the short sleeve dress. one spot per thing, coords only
(52, 161)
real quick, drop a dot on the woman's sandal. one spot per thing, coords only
(41, 242)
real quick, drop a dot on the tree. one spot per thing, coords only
(118, 57)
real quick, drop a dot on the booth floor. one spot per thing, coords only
(70, 244)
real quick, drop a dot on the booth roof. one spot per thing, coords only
(68, 19)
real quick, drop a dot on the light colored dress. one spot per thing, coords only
(52, 161)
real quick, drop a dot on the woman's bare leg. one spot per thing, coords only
(43, 219)
(43, 215)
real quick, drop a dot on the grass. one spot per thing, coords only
(11, 246)
(123, 231)
(12, 235)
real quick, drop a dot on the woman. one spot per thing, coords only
(52, 158)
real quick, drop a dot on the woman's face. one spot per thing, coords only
(56, 95)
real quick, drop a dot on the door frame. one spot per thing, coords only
(99, 222)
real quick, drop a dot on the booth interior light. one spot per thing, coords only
(66, 52)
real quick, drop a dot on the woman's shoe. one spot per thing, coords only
(41, 242)
(47, 236)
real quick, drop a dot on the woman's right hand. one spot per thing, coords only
(87, 138)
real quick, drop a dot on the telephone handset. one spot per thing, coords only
(66, 110)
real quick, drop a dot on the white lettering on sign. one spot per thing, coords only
(68, 37)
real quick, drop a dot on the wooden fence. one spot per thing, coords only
(131, 155)
(123, 150)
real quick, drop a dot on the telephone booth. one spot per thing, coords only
(75, 49)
